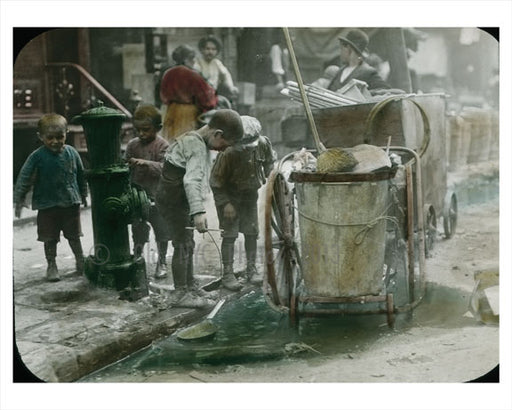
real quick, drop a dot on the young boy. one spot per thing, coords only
(236, 176)
(145, 156)
(56, 173)
(180, 195)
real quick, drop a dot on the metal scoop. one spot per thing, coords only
(202, 330)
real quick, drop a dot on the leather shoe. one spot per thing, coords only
(161, 270)
(230, 282)
(52, 273)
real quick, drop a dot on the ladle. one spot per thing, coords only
(202, 330)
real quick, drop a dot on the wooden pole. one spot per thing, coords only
(319, 146)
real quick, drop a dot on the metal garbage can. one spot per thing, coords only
(342, 220)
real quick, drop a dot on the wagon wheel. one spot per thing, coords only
(450, 214)
(282, 273)
(430, 228)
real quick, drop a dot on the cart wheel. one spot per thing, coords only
(450, 214)
(282, 273)
(430, 220)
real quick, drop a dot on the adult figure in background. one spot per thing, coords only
(279, 60)
(212, 68)
(186, 93)
(352, 53)
(327, 76)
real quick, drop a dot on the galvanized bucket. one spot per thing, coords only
(342, 220)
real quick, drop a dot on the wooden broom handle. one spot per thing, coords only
(319, 146)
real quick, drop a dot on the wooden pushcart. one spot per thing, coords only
(357, 242)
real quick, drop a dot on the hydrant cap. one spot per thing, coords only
(100, 112)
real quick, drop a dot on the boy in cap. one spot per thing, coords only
(56, 173)
(352, 53)
(180, 195)
(145, 156)
(236, 176)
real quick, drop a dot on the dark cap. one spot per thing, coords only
(357, 39)
(230, 123)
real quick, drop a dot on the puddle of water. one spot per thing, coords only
(249, 331)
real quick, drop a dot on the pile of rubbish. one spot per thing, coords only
(361, 158)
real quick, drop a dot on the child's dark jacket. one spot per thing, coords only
(241, 169)
(57, 178)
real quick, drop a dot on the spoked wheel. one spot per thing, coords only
(430, 229)
(450, 214)
(282, 273)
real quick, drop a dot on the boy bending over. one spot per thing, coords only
(236, 176)
(180, 196)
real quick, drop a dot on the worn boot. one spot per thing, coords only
(52, 273)
(176, 295)
(76, 247)
(179, 273)
(252, 274)
(193, 300)
(160, 270)
(229, 280)
(50, 252)
(161, 265)
(190, 298)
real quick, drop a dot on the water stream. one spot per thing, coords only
(249, 331)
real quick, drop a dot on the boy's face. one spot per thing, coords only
(146, 131)
(216, 141)
(54, 137)
(209, 51)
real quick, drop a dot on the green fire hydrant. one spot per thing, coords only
(114, 204)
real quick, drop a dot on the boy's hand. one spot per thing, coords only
(17, 210)
(84, 201)
(200, 222)
(136, 161)
(229, 212)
